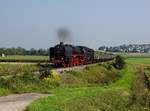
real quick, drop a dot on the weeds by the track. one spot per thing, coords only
(21, 78)
(111, 97)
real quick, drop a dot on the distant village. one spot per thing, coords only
(132, 48)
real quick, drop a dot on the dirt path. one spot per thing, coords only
(18, 102)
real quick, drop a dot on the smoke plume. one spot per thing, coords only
(64, 35)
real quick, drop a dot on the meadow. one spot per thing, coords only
(127, 90)
(138, 60)
(21, 78)
(134, 55)
(23, 58)
(100, 87)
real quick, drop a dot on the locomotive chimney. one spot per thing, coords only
(61, 43)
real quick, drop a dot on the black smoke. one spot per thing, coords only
(64, 35)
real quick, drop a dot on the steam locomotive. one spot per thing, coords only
(67, 55)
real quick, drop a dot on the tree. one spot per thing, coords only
(33, 51)
(119, 62)
(22, 51)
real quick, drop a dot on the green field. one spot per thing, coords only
(24, 58)
(126, 93)
(21, 78)
(134, 55)
(89, 98)
(138, 60)
(96, 88)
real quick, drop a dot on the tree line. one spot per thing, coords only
(23, 51)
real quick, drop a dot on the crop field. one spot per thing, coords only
(23, 58)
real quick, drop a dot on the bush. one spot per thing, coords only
(25, 82)
(119, 62)
(93, 75)
(52, 79)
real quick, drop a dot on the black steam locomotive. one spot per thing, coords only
(67, 55)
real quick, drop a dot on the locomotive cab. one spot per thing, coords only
(56, 54)
(60, 54)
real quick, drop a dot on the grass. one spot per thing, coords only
(134, 55)
(90, 76)
(14, 69)
(95, 88)
(18, 57)
(127, 93)
(20, 78)
(89, 98)
(136, 58)
(138, 61)
(25, 82)
(4, 91)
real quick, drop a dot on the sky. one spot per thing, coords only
(93, 23)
